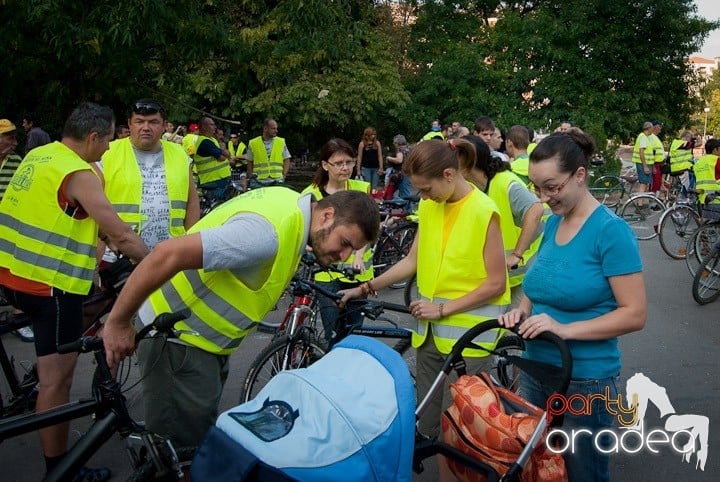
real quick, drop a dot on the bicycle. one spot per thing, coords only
(397, 233)
(211, 198)
(706, 282)
(701, 242)
(151, 456)
(680, 219)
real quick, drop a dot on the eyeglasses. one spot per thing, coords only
(341, 164)
(148, 108)
(554, 190)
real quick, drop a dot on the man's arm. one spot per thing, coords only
(85, 188)
(166, 260)
(192, 211)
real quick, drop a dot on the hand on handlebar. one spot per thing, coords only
(119, 341)
(530, 326)
(349, 294)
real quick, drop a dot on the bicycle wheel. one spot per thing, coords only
(411, 292)
(281, 354)
(393, 246)
(148, 471)
(642, 212)
(706, 283)
(608, 190)
(677, 225)
(700, 244)
(507, 373)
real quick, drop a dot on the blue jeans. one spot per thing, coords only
(370, 174)
(215, 190)
(585, 463)
(329, 311)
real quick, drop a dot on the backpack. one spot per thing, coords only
(349, 416)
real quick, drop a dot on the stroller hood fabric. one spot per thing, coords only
(349, 416)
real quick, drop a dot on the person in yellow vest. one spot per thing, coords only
(148, 180)
(51, 213)
(707, 172)
(268, 158)
(237, 150)
(658, 153)
(229, 271)
(190, 139)
(459, 261)
(211, 161)
(643, 157)
(521, 211)
(436, 132)
(681, 159)
(586, 287)
(516, 144)
(334, 174)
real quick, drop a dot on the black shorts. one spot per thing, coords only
(56, 319)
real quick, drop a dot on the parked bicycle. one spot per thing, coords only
(680, 219)
(702, 241)
(397, 233)
(211, 198)
(151, 456)
(706, 282)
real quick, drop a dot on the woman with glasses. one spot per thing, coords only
(369, 158)
(334, 174)
(587, 287)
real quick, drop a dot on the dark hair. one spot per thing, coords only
(87, 118)
(430, 158)
(354, 207)
(119, 128)
(484, 123)
(711, 145)
(267, 121)
(32, 118)
(321, 176)
(573, 149)
(484, 161)
(531, 133)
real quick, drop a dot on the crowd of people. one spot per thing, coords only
(508, 229)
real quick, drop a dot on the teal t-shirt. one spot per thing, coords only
(570, 283)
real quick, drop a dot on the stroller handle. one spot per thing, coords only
(466, 341)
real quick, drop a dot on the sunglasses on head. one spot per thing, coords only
(148, 108)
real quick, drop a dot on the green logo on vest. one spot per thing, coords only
(22, 179)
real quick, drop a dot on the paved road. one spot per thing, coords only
(678, 350)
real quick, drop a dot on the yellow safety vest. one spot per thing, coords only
(263, 166)
(189, 143)
(223, 309)
(351, 185)
(38, 240)
(658, 151)
(498, 190)
(208, 168)
(455, 272)
(531, 147)
(680, 159)
(236, 151)
(648, 151)
(123, 183)
(433, 135)
(521, 167)
(704, 170)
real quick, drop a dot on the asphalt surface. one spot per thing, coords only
(678, 350)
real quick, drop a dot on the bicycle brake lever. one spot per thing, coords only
(177, 333)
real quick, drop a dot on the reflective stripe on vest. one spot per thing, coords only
(368, 274)
(40, 241)
(263, 166)
(499, 191)
(208, 168)
(123, 183)
(636, 150)
(680, 159)
(223, 309)
(456, 271)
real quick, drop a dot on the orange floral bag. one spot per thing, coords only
(493, 425)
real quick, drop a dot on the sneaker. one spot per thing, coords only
(25, 334)
(87, 474)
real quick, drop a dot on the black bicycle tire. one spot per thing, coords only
(410, 288)
(709, 270)
(278, 344)
(384, 261)
(508, 341)
(628, 213)
(668, 226)
(700, 245)
(146, 471)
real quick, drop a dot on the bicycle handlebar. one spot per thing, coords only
(163, 323)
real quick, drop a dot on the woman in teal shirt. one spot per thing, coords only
(586, 286)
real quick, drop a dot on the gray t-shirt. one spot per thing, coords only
(155, 206)
(521, 199)
(246, 245)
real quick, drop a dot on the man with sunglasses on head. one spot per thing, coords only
(49, 220)
(148, 180)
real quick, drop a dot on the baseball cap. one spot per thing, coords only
(6, 126)
(657, 123)
(647, 125)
